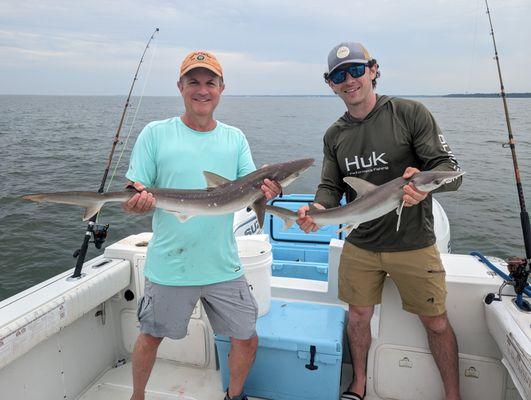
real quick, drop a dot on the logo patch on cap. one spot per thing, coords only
(343, 52)
(202, 59)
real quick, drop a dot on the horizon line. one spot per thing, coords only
(478, 94)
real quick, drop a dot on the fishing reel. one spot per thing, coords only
(519, 274)
(99, 234)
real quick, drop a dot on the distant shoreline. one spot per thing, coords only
(525, 95)
(488, 95)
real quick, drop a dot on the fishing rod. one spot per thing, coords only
(518, 267)
(96, 231)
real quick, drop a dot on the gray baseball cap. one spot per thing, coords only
(347, 53)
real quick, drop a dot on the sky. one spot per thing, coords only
(273, 47)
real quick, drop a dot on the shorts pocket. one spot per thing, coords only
(435, 269)
(433, 260)
(249, 289)
(245, 297)
(144, 308)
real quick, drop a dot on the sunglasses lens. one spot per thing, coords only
(338, 76)
(355, 71)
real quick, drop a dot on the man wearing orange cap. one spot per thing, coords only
(197, 259)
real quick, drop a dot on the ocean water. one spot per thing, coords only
(56, 143)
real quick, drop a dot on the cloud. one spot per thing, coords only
(267, 47)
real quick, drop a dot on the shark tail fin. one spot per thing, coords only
(288, 223)
(91, 201)
(289, 217)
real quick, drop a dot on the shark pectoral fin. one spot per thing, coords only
(180, 216)
(184, 218)
(399, 212)
(259, 207)
(359, 185)
(92, 210)
(214, 180)
(348, 228)
(288, 223)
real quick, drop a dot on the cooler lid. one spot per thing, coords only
(296, 326)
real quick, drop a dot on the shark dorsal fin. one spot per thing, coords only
(359, 185)
(214, 180)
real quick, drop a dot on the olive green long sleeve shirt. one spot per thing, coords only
(396, 134)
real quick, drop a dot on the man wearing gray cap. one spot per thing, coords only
(378, 139)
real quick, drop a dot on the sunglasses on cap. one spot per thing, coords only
(339, 75)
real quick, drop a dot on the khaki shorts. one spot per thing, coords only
(418, 274)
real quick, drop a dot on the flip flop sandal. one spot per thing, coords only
(351, 396)
(242, 396)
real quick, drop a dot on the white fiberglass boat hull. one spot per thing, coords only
(511, 329)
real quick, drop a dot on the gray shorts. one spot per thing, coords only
(165, 311)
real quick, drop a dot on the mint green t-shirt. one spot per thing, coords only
(168, 154)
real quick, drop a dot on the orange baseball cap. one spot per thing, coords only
(201, 59)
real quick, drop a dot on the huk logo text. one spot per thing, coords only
(365, 162)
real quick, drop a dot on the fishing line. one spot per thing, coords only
(511, 144)
(137, 108)
(518, 267)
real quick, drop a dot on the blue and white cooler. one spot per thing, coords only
(299, 353)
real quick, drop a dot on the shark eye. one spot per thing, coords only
(437, 181)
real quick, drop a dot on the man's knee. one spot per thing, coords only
(245, 344)
(148, 342)
(436, 324)
(359, 315)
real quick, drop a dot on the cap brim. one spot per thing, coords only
(352, 61)
(201, 65)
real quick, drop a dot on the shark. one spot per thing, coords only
(221, 196)
(371, 202)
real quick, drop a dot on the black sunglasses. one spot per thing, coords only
(339, 75)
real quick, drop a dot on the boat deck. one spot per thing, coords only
(168, 381)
